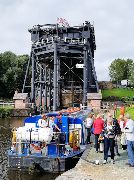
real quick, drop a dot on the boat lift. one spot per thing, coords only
(62, 63)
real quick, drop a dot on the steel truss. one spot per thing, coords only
(55, 53)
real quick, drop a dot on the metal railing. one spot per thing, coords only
(56, 140)
(110, 105)
(3, 104)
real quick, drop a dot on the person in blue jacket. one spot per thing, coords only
(61, 135)
(58, 123)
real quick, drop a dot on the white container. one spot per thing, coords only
(37, 134)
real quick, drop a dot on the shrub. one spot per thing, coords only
(5, 111)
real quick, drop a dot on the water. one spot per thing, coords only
(6, 126)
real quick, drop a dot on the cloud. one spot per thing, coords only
(113, 21)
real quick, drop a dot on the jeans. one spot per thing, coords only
(109, 143)
(88, 134)
(96, 141)
(130, 150)
(116, 147)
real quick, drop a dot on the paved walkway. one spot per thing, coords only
(86, 169)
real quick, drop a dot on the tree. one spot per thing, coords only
(21, 70)
(129, 67)
(12, 73)
(121, 69)
(117, 70)
(131, 78)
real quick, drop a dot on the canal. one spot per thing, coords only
(6, 126)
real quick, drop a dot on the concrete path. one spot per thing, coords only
(86, 169)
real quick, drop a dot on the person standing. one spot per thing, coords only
(122, 124)
(61, 135)
(98, 126)
(129, 131)
(88, 124)
(52, 124)
(122, 110)
(117, 135)
(43, 122)
(109, 132)
(117, 132)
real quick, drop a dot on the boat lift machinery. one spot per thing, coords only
(62, 61)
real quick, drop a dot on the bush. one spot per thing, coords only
(5, 111)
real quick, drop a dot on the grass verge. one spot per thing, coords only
(117, 92)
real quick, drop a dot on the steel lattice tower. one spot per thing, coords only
(56, 56)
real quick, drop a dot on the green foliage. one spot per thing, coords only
(132, 75)
(118, 93)
(121, 69)
(116, 70)
(5, 111)
(129, 68)
(12, 73)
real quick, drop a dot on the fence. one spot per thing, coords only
(4, 104)
(111, 105)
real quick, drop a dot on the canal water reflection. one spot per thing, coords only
(6, 126)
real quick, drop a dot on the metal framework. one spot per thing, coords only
(56, 54)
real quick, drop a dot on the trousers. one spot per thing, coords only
(130, 150)
(109, 143)
(96, 141)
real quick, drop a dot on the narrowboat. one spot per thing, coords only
(46, 149)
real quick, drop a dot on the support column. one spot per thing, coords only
(89, 73)
(85, 78)
(93, 70)
(58, 82)
(49, 74)
(55, 79)
(41, 76)
(27, 70)
(45, 93)
(33, 80)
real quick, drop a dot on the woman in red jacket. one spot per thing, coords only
(98, 127)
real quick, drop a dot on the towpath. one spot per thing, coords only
(86, 169)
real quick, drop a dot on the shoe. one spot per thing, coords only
(105, 161)
(118, 154)
(113, 161)
(131, 165)
(128, 164)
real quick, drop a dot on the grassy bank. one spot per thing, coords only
(118, 92)
(5, 111)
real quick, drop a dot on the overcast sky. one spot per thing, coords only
(113, 21)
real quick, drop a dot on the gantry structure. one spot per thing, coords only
(62, 60)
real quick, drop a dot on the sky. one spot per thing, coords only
(113, 22)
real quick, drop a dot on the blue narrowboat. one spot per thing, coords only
(45, 148)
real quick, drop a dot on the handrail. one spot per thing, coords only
(54, 133)
(3, 104)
